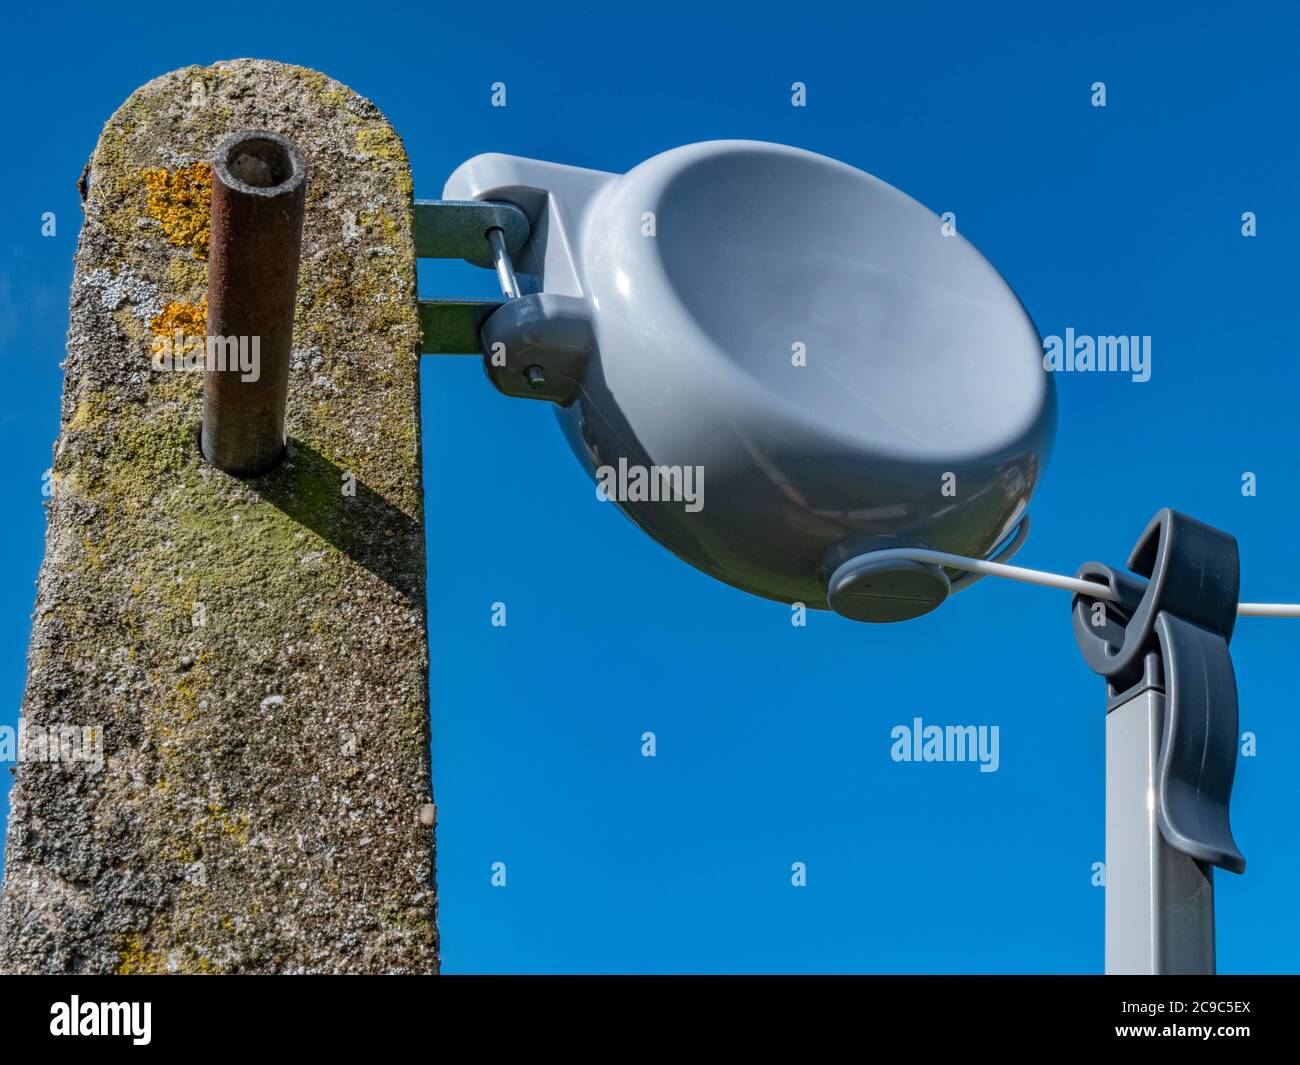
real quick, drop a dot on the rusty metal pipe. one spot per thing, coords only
(259, 191)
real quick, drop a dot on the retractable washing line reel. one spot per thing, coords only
(852, 378)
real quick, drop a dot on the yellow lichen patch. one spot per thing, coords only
(180, 706)
(90, 412)
(137, 960)
(218, 821)
(178, 391)
(190, 319)
(382, 141)
(379, 220)
(181, 202)
(314, 79)
(184, 275)
(92, 554)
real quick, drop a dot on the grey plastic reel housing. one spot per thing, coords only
(838, 372)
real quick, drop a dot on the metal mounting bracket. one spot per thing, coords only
(451, 327)
(457, 229)
(483, 232)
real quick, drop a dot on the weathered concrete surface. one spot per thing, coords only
(254, 652)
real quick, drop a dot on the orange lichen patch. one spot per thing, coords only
(181, 202)
(191, 319)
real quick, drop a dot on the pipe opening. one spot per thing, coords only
(259, 161)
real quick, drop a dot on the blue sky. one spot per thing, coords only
(773, 741)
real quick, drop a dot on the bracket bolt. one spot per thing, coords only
(536, 378)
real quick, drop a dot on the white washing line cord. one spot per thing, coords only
(1055, 580)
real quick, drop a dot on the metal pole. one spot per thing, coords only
(259, 191)
(1159, 901)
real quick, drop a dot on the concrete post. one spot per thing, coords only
(251, 654)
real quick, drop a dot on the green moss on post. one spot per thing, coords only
(254, 652)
